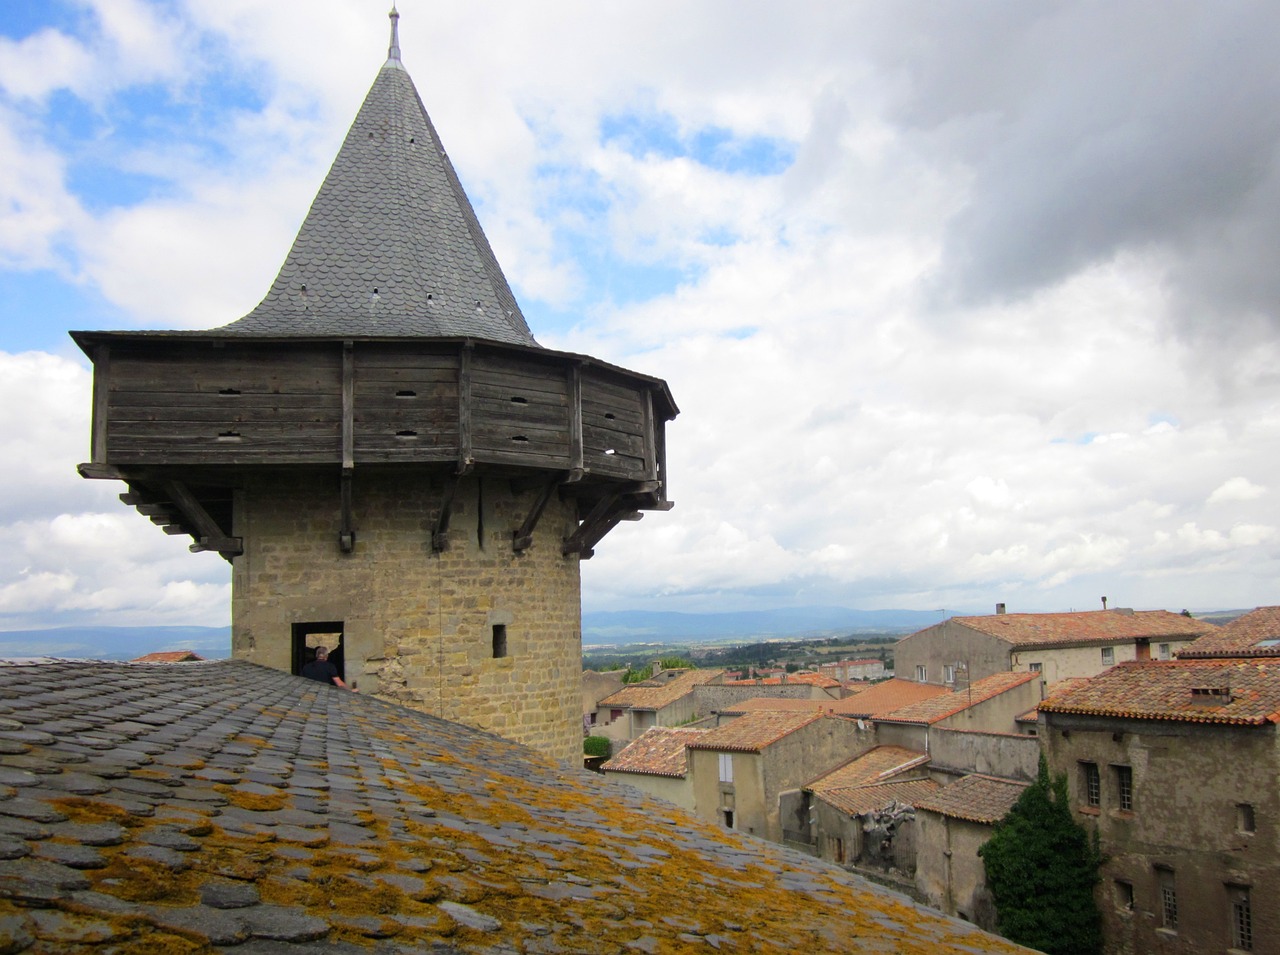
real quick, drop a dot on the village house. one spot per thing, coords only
(657, 762)
(740, 769)
(1055, 645)
(858, 814)
(846, 671)
(595, 687)
(665, 699)
(885, 698)
(951, 825)
(1174, 765)
(991, 704)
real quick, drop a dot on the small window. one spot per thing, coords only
(1241, 918)
(726, 770)
(1124, 895)
(1244, 817)
(1035, 667)
(949, 673)
(922, 673)
(615, 715)
(499, 640)
(1166, 652)
(1090, 784)
(1108, 656)
(728, 818)
(1168, 899)
(1124, 786)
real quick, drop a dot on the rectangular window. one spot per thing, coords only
(1165, 652)
(1035, 667)
(1124, 895)
(1108, 656)
(922, 673)
(1241, 918)
(1168, 899)
(1090, 784)
(1124, 786)
(726, 768)
(499, 640)
(1244, 817)
(948, 673)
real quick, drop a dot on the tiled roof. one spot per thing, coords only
(860, 800)
(658, 751)
(391, 245)
(1196, 691)
(1255, 634)
(884, 698)
(655, 694)
(939, 707)
(985, 799)
(873, 767)
(223, 806)
(169, 656)
(754, 731)
(1093, 626)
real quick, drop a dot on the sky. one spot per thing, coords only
(961, 303)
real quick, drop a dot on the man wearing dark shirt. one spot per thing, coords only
(322, 671)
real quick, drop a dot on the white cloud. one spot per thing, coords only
(1236, 489)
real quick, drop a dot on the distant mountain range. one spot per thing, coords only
(616, 628)
(114, 643)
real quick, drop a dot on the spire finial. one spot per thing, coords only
(393, 51)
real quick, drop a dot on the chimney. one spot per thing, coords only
(1104, 603)
(999, 608)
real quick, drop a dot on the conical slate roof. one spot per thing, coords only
(391, 245)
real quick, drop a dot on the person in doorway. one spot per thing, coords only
(322, 671)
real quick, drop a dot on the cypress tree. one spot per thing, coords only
(1041, 869)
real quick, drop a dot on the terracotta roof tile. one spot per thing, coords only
(860, 800)
(938, 708)
(655, 694)
(658, 751)
(975, 798)
(1196, 691)
(884, 698)
(754, 731)
(873, 767)
(1255, 634)
(169, 656)
(1093, 626)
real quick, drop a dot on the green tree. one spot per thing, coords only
(1041, 869)
(597, 746)
(677, 663)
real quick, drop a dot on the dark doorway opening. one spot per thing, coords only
(308, 636)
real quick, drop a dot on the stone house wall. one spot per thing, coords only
(949, 872)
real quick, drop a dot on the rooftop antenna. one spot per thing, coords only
(393, 51)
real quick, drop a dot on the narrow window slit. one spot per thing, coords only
(229, 392)
(406, 393)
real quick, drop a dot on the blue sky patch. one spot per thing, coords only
(715, 147)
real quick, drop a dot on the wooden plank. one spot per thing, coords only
(224, 457)
(549, 462)
(600, 441)
(348, 409)
(376, 358)
(575, 420)
(518, 414)
(650, 458)
(464, 409)
(101, 403)
(600, 388)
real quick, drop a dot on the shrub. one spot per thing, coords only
(597, 746)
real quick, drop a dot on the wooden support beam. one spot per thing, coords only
(522, 539)
(100, 472)
(206, 530)
(650, 442)
(579, 540)
(440, 536)
(347, 535)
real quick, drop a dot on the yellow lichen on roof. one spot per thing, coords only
(318, 815)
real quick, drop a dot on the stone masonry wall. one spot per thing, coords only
(418, 625)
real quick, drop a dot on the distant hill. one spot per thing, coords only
(616, 628)
(114, 643)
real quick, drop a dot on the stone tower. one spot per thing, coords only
(391, 463)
